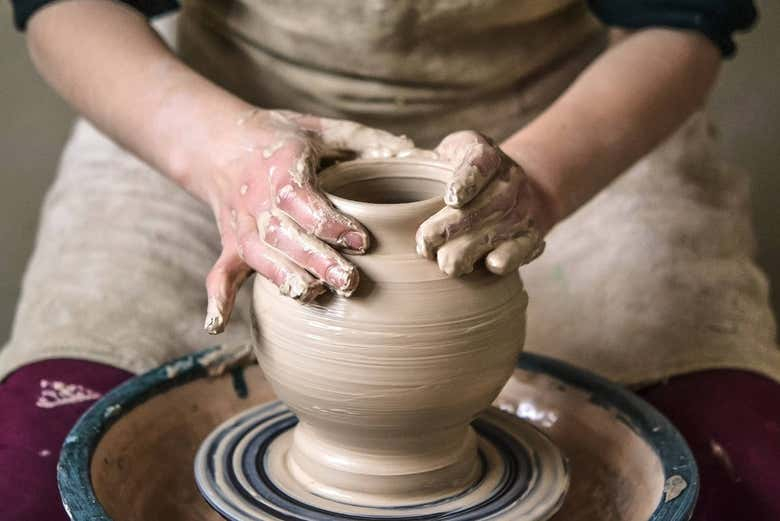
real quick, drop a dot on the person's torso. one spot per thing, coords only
(387, 62)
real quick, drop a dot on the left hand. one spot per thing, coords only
(493, 210)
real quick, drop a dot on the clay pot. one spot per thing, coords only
(386, 382)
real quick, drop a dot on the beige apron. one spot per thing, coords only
(652, 278)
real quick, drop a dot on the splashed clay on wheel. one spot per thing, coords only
(386, 383)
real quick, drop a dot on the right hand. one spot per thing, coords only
(494, 210)
(271, 216)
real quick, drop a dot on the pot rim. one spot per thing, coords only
(426, 168)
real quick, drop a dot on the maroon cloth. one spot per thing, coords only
(731, 420)
(39, 404)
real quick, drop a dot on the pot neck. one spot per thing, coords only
(390, 197)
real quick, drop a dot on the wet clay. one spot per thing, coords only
(386, 382)
(240, 470)
(614, 473)
(142, 466)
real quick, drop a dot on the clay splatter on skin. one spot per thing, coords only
(277, 230)
(286, 192)
(490, 211)
(214, 318)
(293, 286)
(302, 170)
(304, 222)
(248, 115)
(268, 152)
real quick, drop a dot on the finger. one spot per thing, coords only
(297, 196)
(292, 280)
(339, 135)
(457, 257)
(456, 146)
(445, 224)
(511, 254)
(477, 161)
(310, 208)
(282, 233)
(222, 283)
(495, 201)
(470, 177)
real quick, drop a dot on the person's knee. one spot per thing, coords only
(40, 403)
(731, 421)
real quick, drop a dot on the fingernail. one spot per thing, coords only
(355, 241)
(215, 322)
(343, 280)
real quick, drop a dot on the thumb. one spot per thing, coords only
(476, 160)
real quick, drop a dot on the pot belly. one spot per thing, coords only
(386, 382)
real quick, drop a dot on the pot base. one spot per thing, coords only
(242, 471)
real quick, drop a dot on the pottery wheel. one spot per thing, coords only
(240, 469)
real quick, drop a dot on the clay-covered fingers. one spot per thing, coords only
(508, 245)
(291, 176)
(291, 161)
(476, 160)
(497, 223)
(222, 283)
(457, 257)
(511, 254)
(495, 202)
(286, 236)
(292, 280)
(313, 212)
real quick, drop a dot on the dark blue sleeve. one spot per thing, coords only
(715, 19)
(24, 9)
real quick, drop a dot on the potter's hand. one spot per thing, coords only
(492, 209)
(272, 217)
